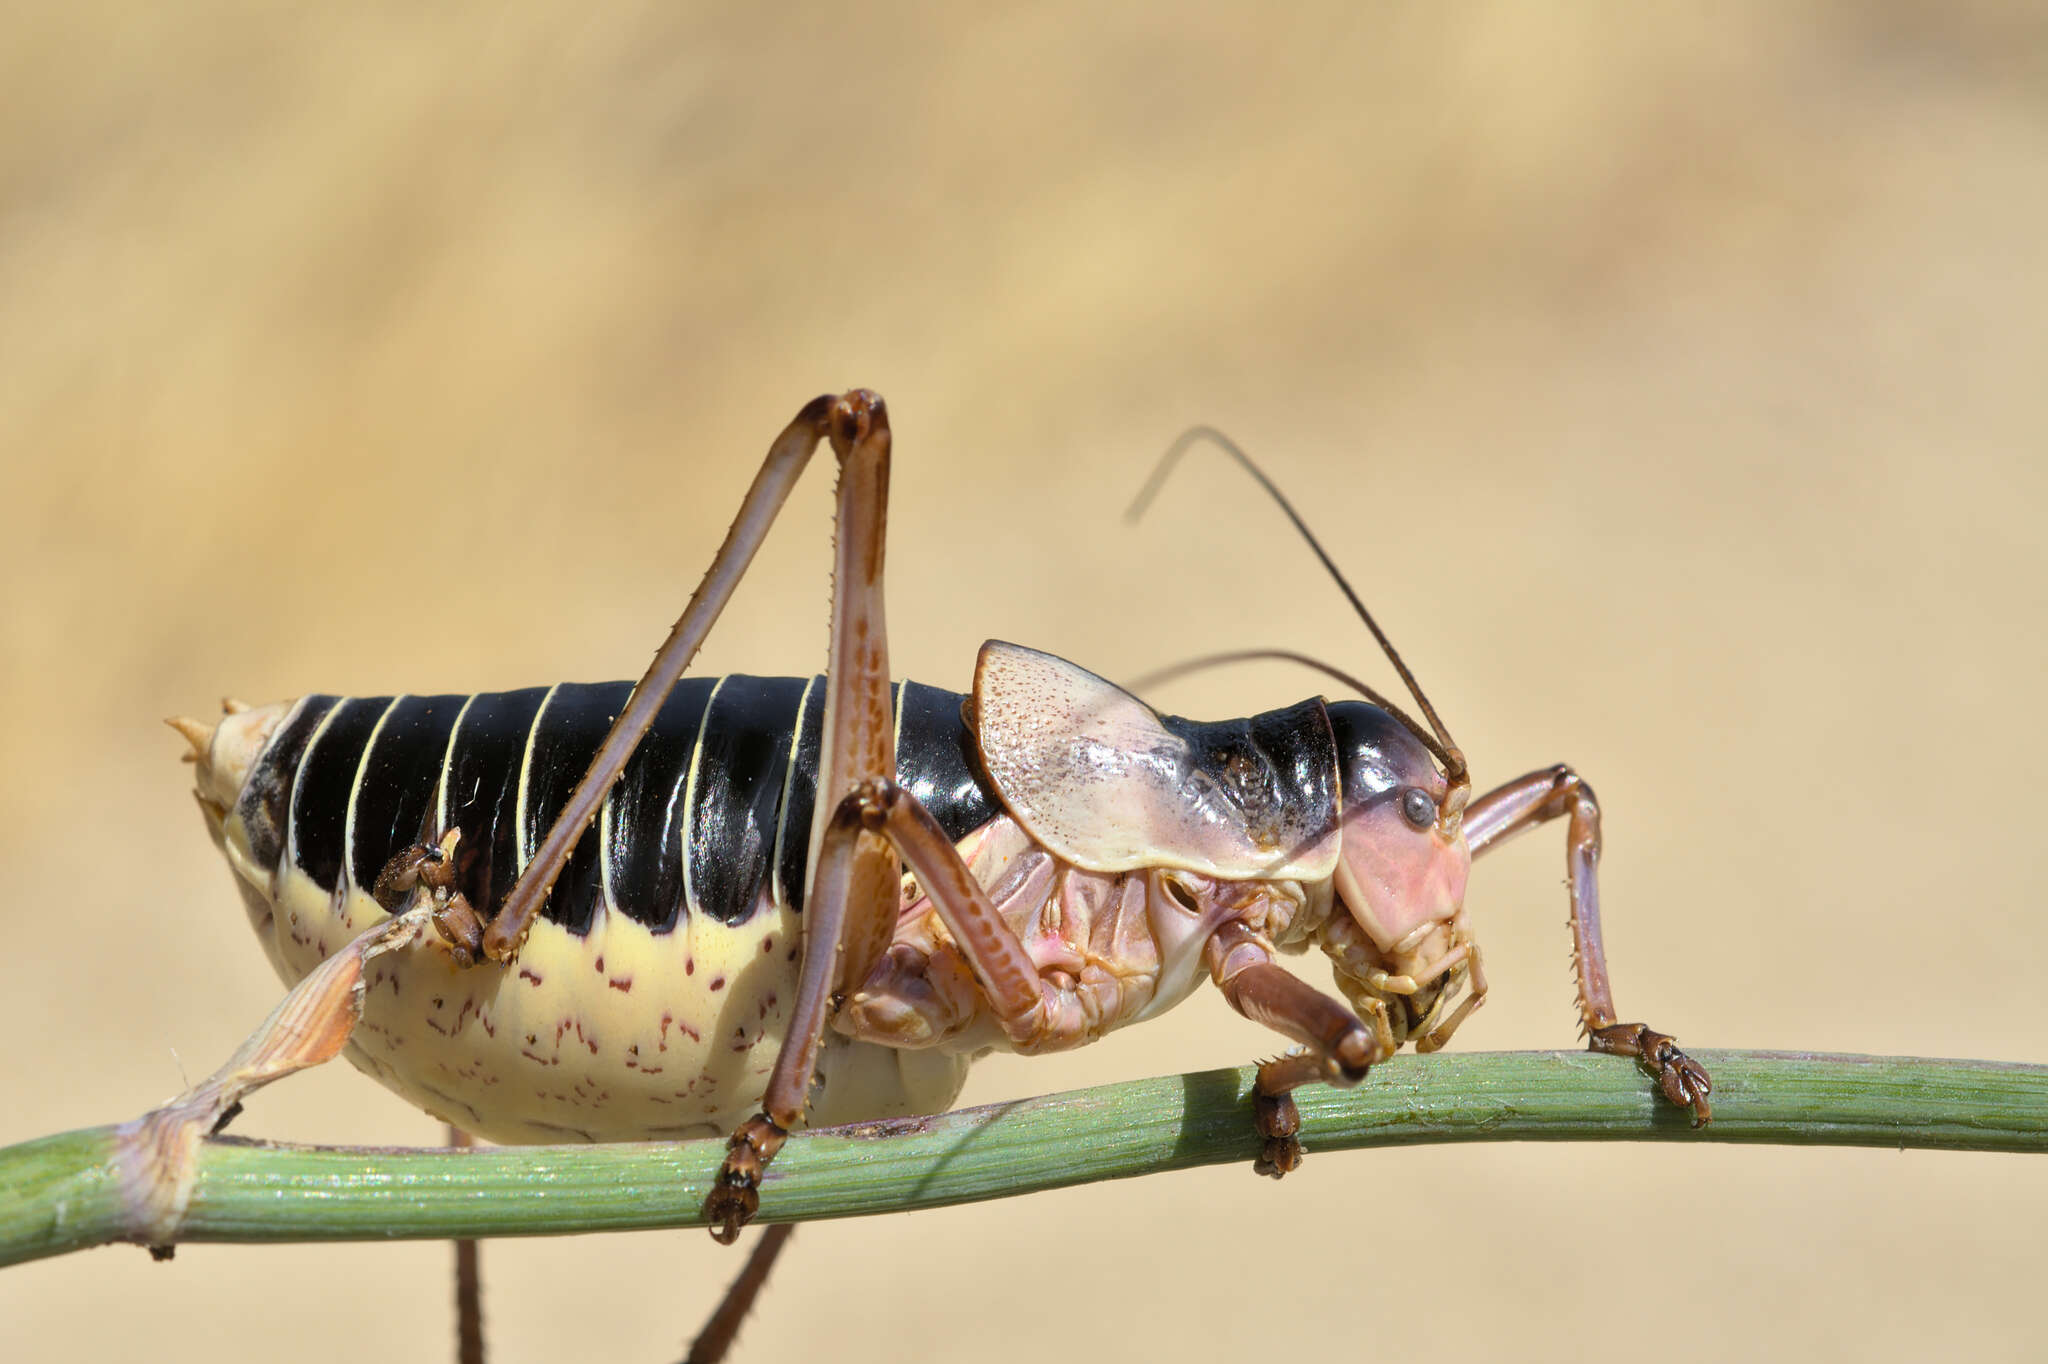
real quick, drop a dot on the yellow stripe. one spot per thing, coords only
(896, 728)
(690, 796)
(291, 805)
(355, 789)
(447, 770)
(526, 772)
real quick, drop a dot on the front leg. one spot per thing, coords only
(1559, 792)
(1337, 1048)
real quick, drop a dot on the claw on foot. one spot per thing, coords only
(461, 932)
(1683, 1080)
(736, 1197)
(1279, 1122)
(730, 1207)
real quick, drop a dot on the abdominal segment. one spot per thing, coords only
(651, 997)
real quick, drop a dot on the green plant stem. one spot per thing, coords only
(59, 1194)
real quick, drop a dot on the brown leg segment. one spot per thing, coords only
(859, 742)
(879, 809)
(850, 909)
(1274, 1114)
(1338, 1048)
(715, 1340)
(1007, 975)
(469, 1290)
(771, 487)
(1559, 792)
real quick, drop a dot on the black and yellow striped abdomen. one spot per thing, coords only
(712, 813)
(650, 997)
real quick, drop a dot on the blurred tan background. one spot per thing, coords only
(1669, 379)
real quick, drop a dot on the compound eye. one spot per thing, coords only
(1417, 808)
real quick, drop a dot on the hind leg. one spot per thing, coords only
(850, 910)
(770, 489)
(723, 1326)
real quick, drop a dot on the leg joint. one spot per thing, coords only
(854, 417)
(874, 801)
(1353, 1056)
(1570, 791)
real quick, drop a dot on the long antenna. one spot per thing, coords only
(1453, 759)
